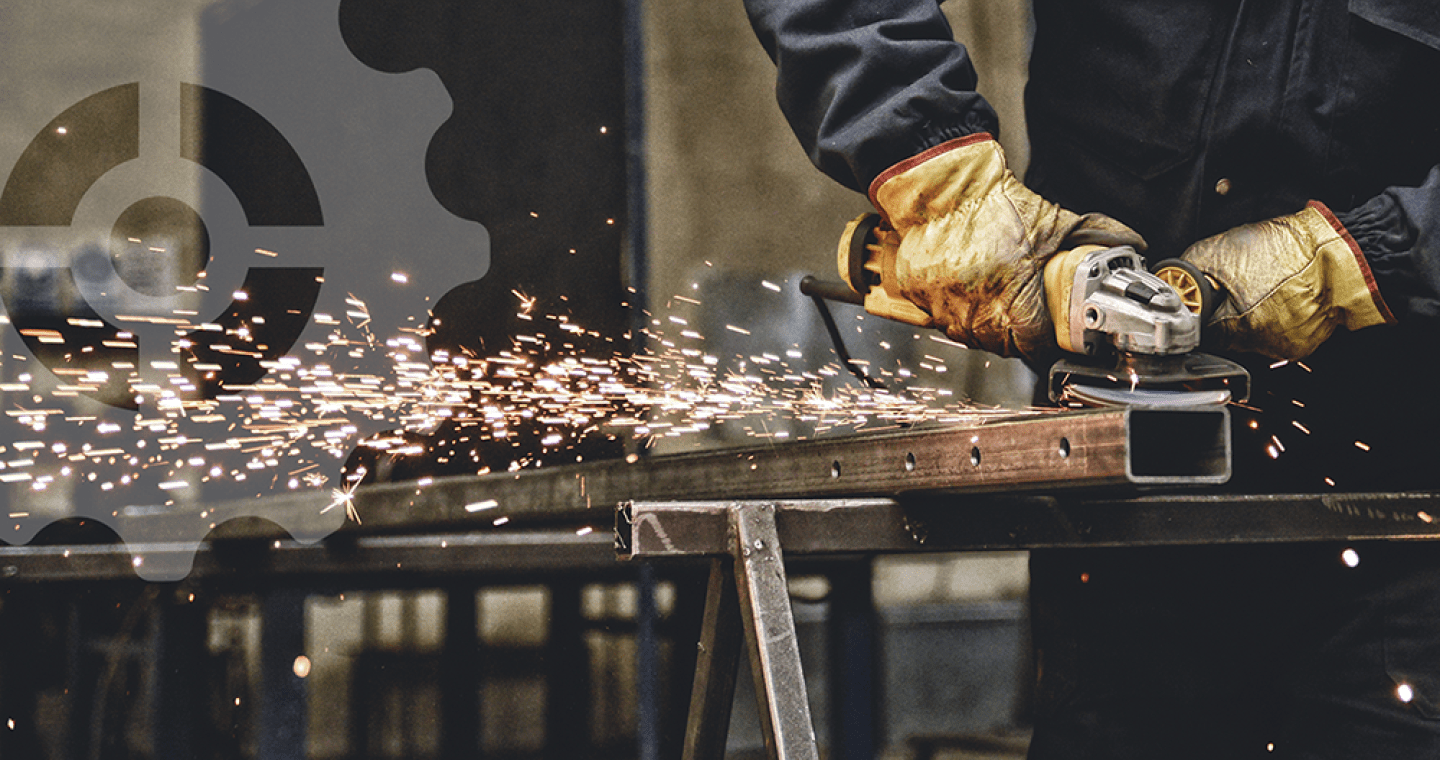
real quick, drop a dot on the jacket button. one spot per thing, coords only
(1222, 187)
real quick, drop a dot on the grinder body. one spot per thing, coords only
(1131, 335)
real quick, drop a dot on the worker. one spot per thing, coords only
(1289, 149)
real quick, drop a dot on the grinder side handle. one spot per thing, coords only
(866, 260)
(1200, 293)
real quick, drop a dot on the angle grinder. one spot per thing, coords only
(1132, 332)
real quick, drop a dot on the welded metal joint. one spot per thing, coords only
(624, 529)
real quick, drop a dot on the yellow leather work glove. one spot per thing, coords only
(973, 242)
(1292, 281)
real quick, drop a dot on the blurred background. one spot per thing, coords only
(628, 164)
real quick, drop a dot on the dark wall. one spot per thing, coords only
(534, 151)
(524, 153)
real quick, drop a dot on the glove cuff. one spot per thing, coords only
(904, 188)
(1355, 289)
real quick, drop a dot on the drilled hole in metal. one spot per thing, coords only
(1064, 448)
(975, 456)
(909, 462)
(835, 469)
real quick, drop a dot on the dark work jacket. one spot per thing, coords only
(1182, 119)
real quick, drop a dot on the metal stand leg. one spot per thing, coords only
(770, 633)
(753, 579)
(716, 662)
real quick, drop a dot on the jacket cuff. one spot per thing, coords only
(1387, 243)
(931, 133)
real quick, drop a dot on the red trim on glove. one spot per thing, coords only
(1339, 227)
(920, 158)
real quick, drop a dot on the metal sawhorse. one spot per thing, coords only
(744, 541)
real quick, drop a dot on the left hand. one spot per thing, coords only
(1292, 281)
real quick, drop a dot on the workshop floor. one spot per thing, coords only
(1003, 745)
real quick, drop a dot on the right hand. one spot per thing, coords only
(972, 242)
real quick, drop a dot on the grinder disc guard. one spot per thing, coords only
(1145, 380)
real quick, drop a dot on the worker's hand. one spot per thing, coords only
(1292, 281)
(973, 242)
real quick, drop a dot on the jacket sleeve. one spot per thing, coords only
(1399, 233)
(866, 84)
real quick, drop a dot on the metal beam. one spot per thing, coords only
(1169, 520)
(494, 554)
(915, 523)
(989, 522)
(1061, 451)
(1053, 452)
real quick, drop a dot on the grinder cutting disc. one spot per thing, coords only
(1142, 380)
(1092, 396)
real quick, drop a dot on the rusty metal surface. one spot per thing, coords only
(1058, 452)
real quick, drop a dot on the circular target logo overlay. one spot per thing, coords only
(201, 276)
(158, 250)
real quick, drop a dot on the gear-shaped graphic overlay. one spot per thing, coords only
(217, 270)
